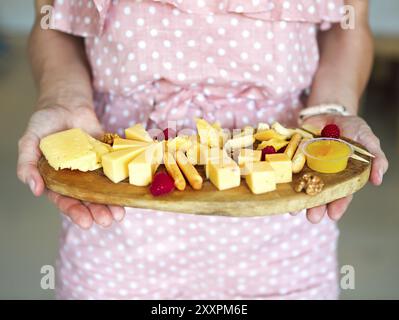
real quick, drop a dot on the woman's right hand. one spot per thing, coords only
(52, 119)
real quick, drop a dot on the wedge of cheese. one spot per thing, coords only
(179, 143)
(73, 149)
(115, 164)
(260, 177)
(137, 132)
(142, 168)
(264, 135)
(120, 143)
(282, 165)
(224, 173)
(99, 147)
(277, 144)
(208, 134)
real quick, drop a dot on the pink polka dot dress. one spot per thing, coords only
(239, 62)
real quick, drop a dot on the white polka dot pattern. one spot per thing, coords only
(267, 52)
(238, 62)
(153, 255)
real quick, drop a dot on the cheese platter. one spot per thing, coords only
(260, 171)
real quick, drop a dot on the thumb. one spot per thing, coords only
(28, 156)
(88, 122)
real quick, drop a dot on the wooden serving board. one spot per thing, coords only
(239, 202)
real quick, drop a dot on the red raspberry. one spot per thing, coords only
(169, 133)
(267, 150)
(162, 184)
(281, 150)
(331, 131)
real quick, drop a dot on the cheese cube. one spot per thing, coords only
(224, 173)
(261, 177)
(249, 155)
(282, 165)
(73, 149)
(142, 167)
(115, 164)
(137, 132)
(120, 143)
(214, 154)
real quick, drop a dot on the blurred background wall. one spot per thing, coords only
(28, 226)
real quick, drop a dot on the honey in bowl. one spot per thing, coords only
(327, 155)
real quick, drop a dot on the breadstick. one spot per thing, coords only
(174, 171)
(293, 145)
(362, 151)
(189, 171)
(299, 159)
(356, 157)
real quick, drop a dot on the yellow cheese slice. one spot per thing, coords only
(282, 165)
(137, 132)
(208, 134)
(260, 177)
(264, 135)
(73, 149)
(277, 144)
(120, 143)
(179, 143)
(115, 164)
(142, 167)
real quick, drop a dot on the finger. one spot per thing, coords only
(117, 212)
(380, 162)
(101, 214)
(316, 214)
(337, 208)
(28, 156)
(379, 166)
(295, 213)
(72, 208)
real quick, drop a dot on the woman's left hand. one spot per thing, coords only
(357, 129)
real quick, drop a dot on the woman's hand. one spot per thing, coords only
(357, 129)
(48, 120)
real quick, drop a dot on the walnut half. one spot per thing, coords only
(311, 183)
(108, 138)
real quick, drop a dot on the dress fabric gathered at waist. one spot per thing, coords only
(200, 57)
(233, 61)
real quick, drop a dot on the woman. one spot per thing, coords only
(237, 62)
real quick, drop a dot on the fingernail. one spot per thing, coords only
(32, 185)
(118, 215)
(380, 174)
